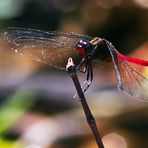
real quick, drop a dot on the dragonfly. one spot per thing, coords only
(54, 48)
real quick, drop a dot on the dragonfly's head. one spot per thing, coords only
(84, 47)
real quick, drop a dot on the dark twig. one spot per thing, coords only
(90, 119)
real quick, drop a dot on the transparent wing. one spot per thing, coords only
(129, 80)
(53, 48)
(133, 82)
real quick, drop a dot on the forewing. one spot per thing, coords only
(52, 48)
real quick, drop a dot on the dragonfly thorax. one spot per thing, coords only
(84, 47)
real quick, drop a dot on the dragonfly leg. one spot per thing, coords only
(79, 68)
(87, 82)
(89, 78)
(89, 75)
(86, 62)
(81, 65)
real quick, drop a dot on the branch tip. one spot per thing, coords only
(70, 67)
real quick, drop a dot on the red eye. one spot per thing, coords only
(80, 47)
(81, 51)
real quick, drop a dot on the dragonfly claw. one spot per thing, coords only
(76, 96)
(84, 87)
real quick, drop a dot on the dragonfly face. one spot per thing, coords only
(84, 47)
(93, 49)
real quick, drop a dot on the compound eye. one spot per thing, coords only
(81, 47)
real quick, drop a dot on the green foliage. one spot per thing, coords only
(14, 108)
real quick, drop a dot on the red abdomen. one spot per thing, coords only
(132, 60)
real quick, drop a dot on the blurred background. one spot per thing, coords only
(36, 105)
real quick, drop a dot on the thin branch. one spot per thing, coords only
(90, 119)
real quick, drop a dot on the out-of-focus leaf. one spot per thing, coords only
(9, 144)
(14, 108)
